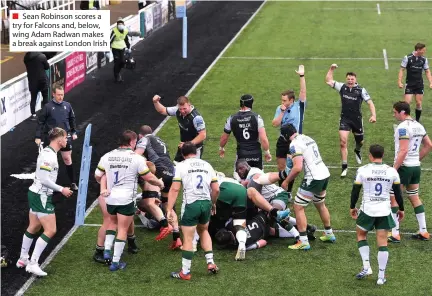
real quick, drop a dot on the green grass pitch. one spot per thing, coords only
(315, 34)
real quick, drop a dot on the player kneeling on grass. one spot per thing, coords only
(40, 202)
(122, 167)
(375, 211)
(200, 193)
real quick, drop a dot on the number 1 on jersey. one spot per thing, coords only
(116, 177)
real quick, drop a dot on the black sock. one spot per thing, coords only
(344, 166)
(163, 222)
(69, 169)
(176, 235)
(418, 114)
(290, 186)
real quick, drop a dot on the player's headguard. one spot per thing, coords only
(287, 131)
(246, 101)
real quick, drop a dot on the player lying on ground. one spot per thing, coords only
(377, 180)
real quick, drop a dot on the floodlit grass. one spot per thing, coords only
(290, 30)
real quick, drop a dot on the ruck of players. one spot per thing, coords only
(198, 208)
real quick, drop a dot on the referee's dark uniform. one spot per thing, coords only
(58, 113)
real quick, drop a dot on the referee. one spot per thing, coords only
(191, 124)
(291, 111)
(351, 119)
(415, 63)
(249, 131)
(58, 113)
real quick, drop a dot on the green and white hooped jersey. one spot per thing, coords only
(267, 191)
(196, 176)
(377, 181)
(313, 165)
(122, 168)
(414, 132)
(46, 161)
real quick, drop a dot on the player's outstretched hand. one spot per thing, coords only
(156, 98)
(401, 215)
(372, 119)
(354, 213)
(333, 66)
(66, 191)
(300, 70)
(401, 84)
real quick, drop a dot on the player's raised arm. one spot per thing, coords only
(301, 73)
(158, 106)
(329, 77)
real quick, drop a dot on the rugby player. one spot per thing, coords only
(291, 111)
(156, 151)
(122, 167)
(377, 180)
(414, 64)
(249, 131)
(409, 137)
(41, 214)
(191, 123)
(200, 192)
(306, 157)
(351, 118)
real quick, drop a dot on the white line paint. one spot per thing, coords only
(71, 232)
(386, 65)
(57, 249)
(302, 58)
(378, 9)
(337, 167)
(319, 230)
(369, 8)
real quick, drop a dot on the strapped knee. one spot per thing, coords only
(413, 192)
(317, 199)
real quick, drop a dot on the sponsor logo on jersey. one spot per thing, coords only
(402, 132)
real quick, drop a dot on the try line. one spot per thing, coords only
(337, 167)
(300, 58)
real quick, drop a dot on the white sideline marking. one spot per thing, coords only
(378, 9)
(320, 230)
(74, 228)
(386, 66)
(57, 249)
(337, 167)
(369, 8)
(300, 58)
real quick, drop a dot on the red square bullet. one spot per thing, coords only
(15, 16)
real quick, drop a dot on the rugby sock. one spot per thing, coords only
(290, 186)
(241, 237)
(395, 230)
(292, 220)
(273, 212)
(209, 257)
(383, 255)
(418, 112)
(118, 249)
(176, 234)
(292, 231)
(41, 244)
(69, 170)
(186, 261)
(303, 237)
(131, 240)
(328, 230)
(344, 164)
(421, 217)
(26, 244)
(364, 253)
(163, 222)
(109, 239)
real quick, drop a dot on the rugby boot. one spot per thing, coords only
(300, 246)
(164, 232)
(181, 276)
(132, 247)
(364, 273)
(22, 262)
(283, 214)
(310, 231)
(34, 268)
(424, 236)
(328, 238)
(177, 244)
(212, 268)
(99, 256)
(241, 253)
(381, 281)
(393, 238)
(107, 256)
(117, 266)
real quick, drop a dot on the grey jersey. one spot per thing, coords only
(155, 150)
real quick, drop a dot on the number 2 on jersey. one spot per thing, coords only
(199, 186)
